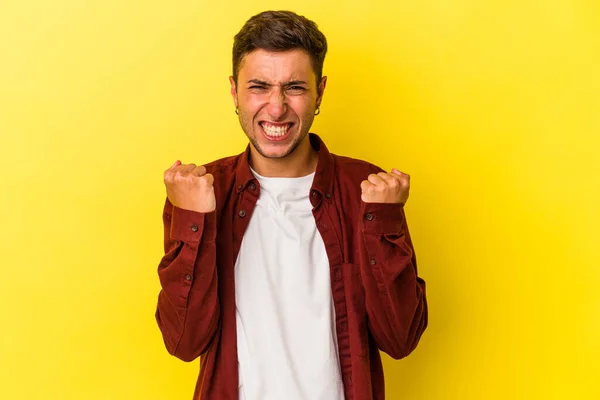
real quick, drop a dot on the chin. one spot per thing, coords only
(269, 152)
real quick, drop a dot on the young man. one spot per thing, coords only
(287, 268)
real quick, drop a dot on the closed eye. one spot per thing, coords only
(296, 89)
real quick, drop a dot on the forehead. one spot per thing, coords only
(276, 67)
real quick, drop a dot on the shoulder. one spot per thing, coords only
(223, 165)
(354, 166)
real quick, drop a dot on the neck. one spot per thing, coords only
(301, 162)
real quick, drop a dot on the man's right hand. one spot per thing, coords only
(189, 187)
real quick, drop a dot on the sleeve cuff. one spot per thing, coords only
(191, 226)
(382, 218)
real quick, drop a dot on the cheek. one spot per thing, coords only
(303, 107)
(249, 102)
(252, 101)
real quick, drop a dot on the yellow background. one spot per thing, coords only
(492, 106)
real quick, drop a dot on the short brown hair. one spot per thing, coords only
(280, 31)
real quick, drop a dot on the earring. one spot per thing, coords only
(318, 111)
(237, 111)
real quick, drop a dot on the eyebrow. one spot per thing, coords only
(263, 83)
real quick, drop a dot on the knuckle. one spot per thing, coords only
(205, 180)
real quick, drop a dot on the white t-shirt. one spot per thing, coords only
(286, 338)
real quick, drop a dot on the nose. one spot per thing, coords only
(277, 106)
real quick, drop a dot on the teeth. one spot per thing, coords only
(275, 130)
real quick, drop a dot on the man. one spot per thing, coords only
(287, 268)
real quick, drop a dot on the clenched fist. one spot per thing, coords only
(189, 187)
(386, 188)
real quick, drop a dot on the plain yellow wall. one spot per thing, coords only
(492, 106)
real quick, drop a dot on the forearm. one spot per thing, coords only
(395, 295)
(188, 306)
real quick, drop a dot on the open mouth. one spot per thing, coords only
(276, 132)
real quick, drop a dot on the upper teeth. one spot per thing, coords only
(275, 130)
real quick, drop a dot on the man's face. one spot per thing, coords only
(277, 95)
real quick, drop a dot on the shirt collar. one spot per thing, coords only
(322, 183)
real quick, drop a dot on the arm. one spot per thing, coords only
(188, 304)
(395, 295)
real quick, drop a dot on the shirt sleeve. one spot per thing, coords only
(395, 295)
(188, 310)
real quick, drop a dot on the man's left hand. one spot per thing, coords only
(386, 187)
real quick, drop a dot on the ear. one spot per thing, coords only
(321, 90)
(233, 91)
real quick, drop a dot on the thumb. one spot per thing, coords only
(210, 179)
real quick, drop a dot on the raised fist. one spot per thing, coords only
(386, 188)
(189, 187)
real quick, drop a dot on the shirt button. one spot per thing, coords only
(328, 195)
(344, 326)
(369, 217)
(240, 187)
(194, 228)
(188, 277)
(373, 262)
(242, 213)
(253, 186)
